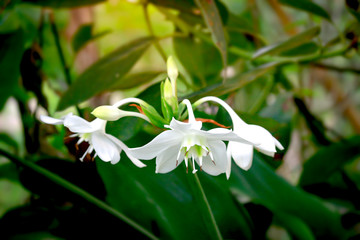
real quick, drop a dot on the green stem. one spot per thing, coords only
(204, 206)
(151, 31)
(62, 56)
(78, 191)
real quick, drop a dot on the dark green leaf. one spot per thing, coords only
(137, 79)
(214, 23)
(84, 35)
(201, 59)
(293, 42)
(11, 50)
(63, 3)
(262, 185)
(308, 6)
(328, 160)
(104, 73)
(165, 201)
(304, 49)
(296, 227)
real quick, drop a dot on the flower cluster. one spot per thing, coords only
(182, 140)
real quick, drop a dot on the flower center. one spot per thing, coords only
(194, 148)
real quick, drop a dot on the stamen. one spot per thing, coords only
(212, 158)
(204, 120)
(83, 156)
(138, 108)
(80, 141)
(194, 170)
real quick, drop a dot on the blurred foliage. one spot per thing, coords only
(289, 66)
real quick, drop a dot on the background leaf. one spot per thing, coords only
(308, 6)
(293, 42)
(104, 73)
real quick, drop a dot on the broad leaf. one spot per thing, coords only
(104, 73)
(165, 202)
(328, 160)
(262, 185)
(308, 6)
(214, 23)
(293, 42)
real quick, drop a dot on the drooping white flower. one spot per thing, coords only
(106, 146)
(242, 153)
(186, 141)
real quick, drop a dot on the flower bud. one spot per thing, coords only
(173, 73)
(107, 112)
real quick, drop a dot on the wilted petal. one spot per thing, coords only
(122, 146)
(105, 148)
(78, 125)
(160, 143)
(242, 154)
(166, 160)
(218, 151)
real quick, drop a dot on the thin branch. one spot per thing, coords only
(151, 32)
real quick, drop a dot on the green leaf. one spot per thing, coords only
(214, 23)
(293, 42)
(165, 202)
(104, 73)
(328, 160)
(308, 6)
(295, 226)
(63, 3)
(303, 49)
(191, 52)
(11, 50)
(234, 83)
(137, 79)
(264, 186)
(84, 35)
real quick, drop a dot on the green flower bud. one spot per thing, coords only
(173, 73)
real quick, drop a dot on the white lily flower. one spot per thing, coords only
(242, 153)
(106, 146)
(186, 141)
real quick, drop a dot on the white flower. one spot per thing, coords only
(107, 147)
(186, 141)
(242, 153)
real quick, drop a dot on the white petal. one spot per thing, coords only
(122, 146)
(51, 120)
(160, 143)
(105, 148)
(184, 127)
(224, 135)
(218, 150)
(242, 154)
(261, 135)
(228, 158)
(166, 160)
(278, 144)
(78, 125)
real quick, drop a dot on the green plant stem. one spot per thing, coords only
(78, 191)
(204, 206)
(62, 56)
(151, 31)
